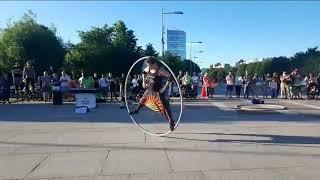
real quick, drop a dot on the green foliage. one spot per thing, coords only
(104, 49)
(26, 40)
(150, 51)
(308, 61)
(219, 73)
(175, 63)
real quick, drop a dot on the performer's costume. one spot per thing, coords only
(153, 98)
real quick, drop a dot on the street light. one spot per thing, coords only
(191, 43)
(162, 27)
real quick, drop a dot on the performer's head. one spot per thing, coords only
(152, 62)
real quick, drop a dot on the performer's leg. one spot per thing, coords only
(167, 111)
(140, 105)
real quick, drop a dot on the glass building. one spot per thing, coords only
(176, 43)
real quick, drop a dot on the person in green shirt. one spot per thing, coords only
(186, 84)
(86, 81)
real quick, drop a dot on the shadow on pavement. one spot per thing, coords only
(273, 139)
(132, 146)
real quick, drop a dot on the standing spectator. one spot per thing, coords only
(246, 86)
(276, 77)
(179, 77)
(205, 85)
(282, 91)
(200, 79)
(254, 84)
(186, 84)
(112, 87)
(81, 79)
(264, 86)
(286, 82)
(104, 86)
(17, 77)
(55, 82)
(230, 83)
(211, 87)
(64, 79)
(73, 83)
(135, 85)
(238, 84)
(45, 86)
(195, 83)
(311, 84)
(5, 89)
(274, 86)
(122, 84)
(296, 84)
(29, 77)
(96, 80)
(122, 89)
(51, 71)
(86, 81)
(117, 84)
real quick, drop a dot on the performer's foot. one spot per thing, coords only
(172, 125)
(134, 112)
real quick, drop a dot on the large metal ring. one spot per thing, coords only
(126, 99)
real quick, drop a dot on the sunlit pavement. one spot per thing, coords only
(214, 140)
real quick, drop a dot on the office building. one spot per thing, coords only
(176, 43)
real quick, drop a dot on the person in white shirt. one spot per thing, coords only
(230, 83)
(135, 84)
(64, 79)
(104, 85)
(64, 87)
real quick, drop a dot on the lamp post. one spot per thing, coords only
(162, 28)
(194, 59)
(191, 43)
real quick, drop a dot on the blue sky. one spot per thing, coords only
(230, 30)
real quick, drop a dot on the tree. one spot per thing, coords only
(150, 51)
(217, 64)
(172, 61)
(26, 40)
(105, 49)
(190, 66)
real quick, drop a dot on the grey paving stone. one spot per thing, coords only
(115, 177)
(70, 165)
(18, 166)
(136, 161)
(198, 161)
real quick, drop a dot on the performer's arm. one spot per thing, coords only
(164, 73)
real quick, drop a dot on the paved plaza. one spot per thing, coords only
(215, 140)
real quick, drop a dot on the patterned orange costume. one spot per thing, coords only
(153, 98)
